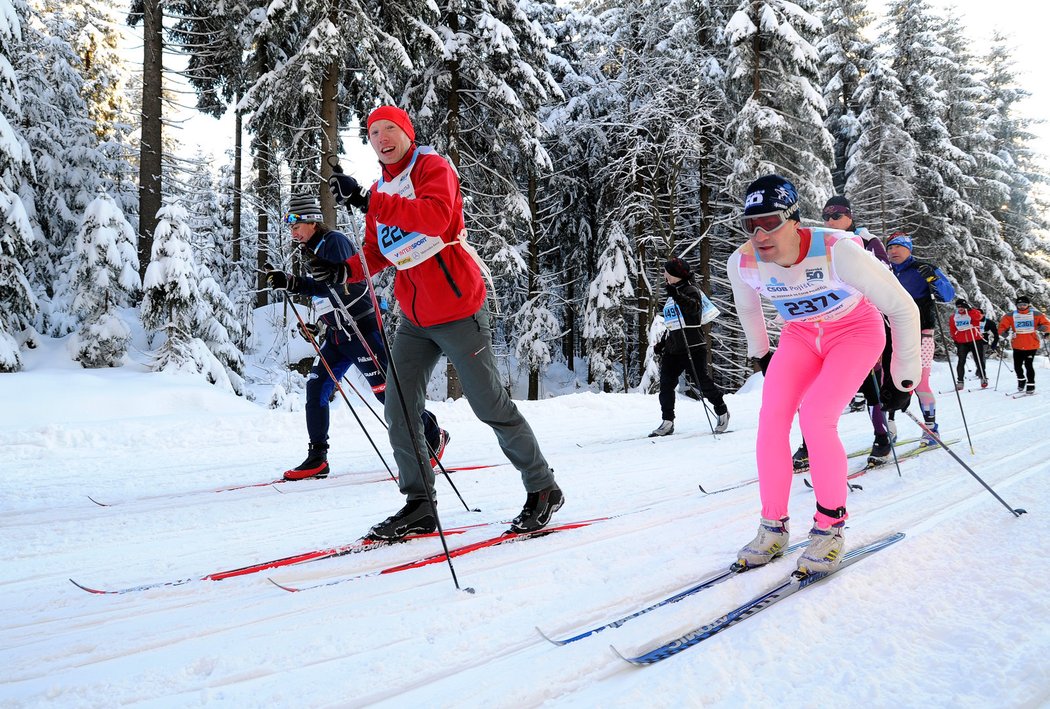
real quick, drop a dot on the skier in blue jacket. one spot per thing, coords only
(925, 283)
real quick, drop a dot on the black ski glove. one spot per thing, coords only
(346, 190)
(763, 361)
(893, 399)
(658, 348)
(310, 330)
(926, 271)
(279, 280)
(329, 272)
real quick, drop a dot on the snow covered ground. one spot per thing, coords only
(955, 615)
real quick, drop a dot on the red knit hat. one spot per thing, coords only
(396, 116)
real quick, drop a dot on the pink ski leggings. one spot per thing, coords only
(818, 366)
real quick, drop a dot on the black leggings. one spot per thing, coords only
(964, 349)
(671, 367)
(1024, 364)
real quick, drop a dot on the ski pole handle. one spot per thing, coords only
(333, 162)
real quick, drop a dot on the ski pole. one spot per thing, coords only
(947, 354)
(335, 379)
(696, 378)
(333, 162)
(893, 444)
(978, 354)
(998, 370)
(337, 301)
(1017, 512)
(345, 311)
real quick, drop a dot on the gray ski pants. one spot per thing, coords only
(468, 345)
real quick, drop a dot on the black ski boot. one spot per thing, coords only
(415, 517)
(538, 510)
(880, 450)
(800, 460)
(315, 465)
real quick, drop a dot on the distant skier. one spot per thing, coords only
(991, 333)
(1026, 324)
(964, 325)
(342, 348)
(925, 283)
(682, 347)
(830, 292)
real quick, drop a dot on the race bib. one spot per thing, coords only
(673, 316)
(405, 249)
(322, 305)
(806, 291)
(962, 322)
(708, 311)
(1024, 324)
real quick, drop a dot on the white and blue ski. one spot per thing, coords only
(705, 584)
(793, 583)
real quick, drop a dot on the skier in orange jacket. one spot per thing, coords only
(1026, 323)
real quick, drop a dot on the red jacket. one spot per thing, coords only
(447, 286)
(972, 331)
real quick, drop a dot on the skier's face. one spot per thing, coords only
(836, 219)
(897, 253)
(302, 231)
(779, 245)
(671, 279)
(389, 141)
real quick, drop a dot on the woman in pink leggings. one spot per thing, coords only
(830, 292)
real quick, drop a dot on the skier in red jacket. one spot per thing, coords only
(965, 326)
(414, 221)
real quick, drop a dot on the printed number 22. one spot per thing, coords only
(389, 235)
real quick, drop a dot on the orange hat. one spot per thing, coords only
(396, 116)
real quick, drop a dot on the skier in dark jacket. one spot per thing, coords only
(342, 347)
(682, 347)
(925, 283)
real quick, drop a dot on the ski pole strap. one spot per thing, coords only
(837, 513)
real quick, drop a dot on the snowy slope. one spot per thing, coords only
(955, 615)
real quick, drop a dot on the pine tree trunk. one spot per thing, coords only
(150, 148)
(262, 165)
(568, 340)
(329, 136)
(238, 147)
(534, 266)
(454, 390)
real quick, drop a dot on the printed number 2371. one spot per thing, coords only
(816, 304)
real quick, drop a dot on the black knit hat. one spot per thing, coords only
(837, 204)
(306, 207)
(771, 193)
(677, 267)
(1022, 298)
(960, 303)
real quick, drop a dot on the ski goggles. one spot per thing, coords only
(767, 221)
(301, 218)
(833, 213)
